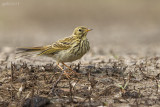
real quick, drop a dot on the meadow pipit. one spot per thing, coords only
(66, 50)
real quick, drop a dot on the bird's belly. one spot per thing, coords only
(69, 57)
(66, 56)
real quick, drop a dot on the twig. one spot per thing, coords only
(55, 84)
(12, 71)
(71, 93)
(157, 85)
(78, 67)
(32, 92)
(89, 74)
(90, 90)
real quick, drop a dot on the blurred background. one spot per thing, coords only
(126, 25)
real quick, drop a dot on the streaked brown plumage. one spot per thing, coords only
(66, 50)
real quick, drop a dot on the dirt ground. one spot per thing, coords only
(126, 80)
(122, 68)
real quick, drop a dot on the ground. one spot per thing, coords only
(122, 69)
(102, 80)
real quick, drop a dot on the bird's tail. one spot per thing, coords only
(31, 49)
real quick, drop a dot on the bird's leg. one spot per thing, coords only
(65, 73)
(70, 69)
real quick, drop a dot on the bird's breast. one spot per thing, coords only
(75, 52)
(81, 48)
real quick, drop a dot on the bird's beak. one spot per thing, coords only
(89, 30)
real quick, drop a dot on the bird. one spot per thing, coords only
(65, 50)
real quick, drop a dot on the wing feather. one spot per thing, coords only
(63, 44)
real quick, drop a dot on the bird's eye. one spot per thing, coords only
(80, 30)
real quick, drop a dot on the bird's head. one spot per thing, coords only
(81, 31)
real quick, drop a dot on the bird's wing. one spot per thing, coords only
(63, 44)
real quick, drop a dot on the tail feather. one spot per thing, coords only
(30, 49)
